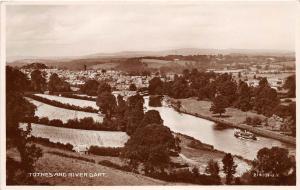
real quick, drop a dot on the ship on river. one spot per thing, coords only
(244, 134)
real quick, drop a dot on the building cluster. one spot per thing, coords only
(116, 79)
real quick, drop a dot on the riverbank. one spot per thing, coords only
(200, 109)
(200, 154)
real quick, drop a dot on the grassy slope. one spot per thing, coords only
(191, 105)
(53, 163)
(200, 157)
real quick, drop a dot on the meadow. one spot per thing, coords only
(71, 101)
(52, 112)
(79, 137)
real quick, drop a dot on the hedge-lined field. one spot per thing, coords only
(77, 137)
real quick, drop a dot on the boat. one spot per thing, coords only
(244, 134)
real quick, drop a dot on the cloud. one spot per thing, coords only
(66, 30)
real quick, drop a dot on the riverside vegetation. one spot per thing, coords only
(151, 144)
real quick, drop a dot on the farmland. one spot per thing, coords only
(52, 112)
(71, 101)
(79, 137)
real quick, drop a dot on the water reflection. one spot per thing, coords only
(220, 137)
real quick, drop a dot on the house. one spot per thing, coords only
(82, 149)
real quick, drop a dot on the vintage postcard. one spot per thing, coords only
(150, 93)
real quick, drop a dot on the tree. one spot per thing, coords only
(106, 102)
(150, 146)
(38, 81)
(273, 162)
(104, 87)
(134, 113)
(17, 109)
(151, 117)
(227, 87)
(244, 97)
(155, 100)
(290, 84)
(219, 105)
(155, 86)
(132, 87)
(266, 98)
(57, 84)
(229, 167)
(90, 87)
(213, 169)
(120, 113)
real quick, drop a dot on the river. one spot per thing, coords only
(206, 131)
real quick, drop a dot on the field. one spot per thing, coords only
(103, 66)
(191, 105)
(52, 112)
(53, 163)
(71, 101)
(79, 137)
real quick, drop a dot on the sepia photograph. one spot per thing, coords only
(151, 93)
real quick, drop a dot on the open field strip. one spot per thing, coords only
(52, 112)
(78, 136)
(71, 101)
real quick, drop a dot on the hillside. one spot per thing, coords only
(118, 59)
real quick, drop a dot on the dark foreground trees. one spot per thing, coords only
(150, 146)
(272, 166)
(229, 167)
(213, 170)
(18, 108)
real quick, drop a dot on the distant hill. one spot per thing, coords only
(34, 66)
(113, 60)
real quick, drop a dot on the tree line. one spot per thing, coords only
(224, 91)
(86, 123)
(62, 105)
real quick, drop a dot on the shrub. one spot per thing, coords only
(56, 122)
(254, 121)
(73, 157)
(105, 151)
(47, 142)
(86, 123)
(113, 165)
(79, 97)
(44, 120)
(155, 101)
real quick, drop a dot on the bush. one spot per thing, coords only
(73, 157)
(56, 122)
(105, 151)
(86, 123)
(186, 176)
(47, 142)
(44, 120)
(254, 121)
(155, 101)
(113, 165)
(78, 97)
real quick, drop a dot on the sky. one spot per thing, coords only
(75, 30)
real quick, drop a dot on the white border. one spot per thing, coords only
(62, 2)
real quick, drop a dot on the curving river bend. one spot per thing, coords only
(206, 132)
